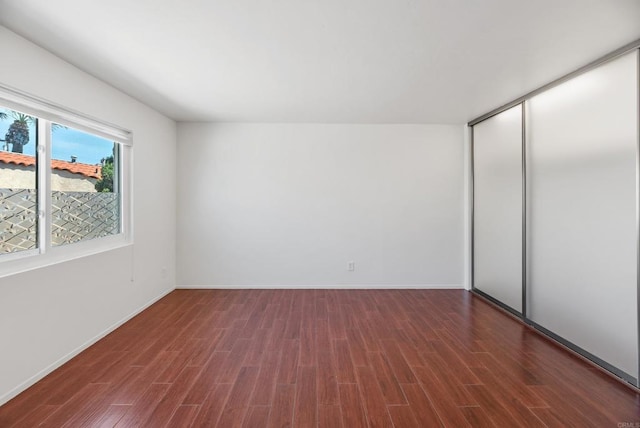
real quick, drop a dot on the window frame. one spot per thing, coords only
(48, 113)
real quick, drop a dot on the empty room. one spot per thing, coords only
(235, 213)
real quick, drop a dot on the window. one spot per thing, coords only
(84, 195)
(18, 184)
(63, 181)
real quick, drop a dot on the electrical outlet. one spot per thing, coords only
(351, 266)
(164, 273)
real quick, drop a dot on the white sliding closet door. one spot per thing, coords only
(581, 183)
(497, 189)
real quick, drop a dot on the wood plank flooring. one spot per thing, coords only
(326, 358)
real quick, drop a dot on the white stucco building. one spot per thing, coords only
(17, 171)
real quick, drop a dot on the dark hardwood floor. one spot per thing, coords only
(329, 358)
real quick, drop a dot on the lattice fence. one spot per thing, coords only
(18, 213)
(76, 216)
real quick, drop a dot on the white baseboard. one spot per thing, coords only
(327, 286)
(42, 373)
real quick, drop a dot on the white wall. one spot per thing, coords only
(24, 177)
(291, 204)
(48, 314)
(17, 176)
(65, 181)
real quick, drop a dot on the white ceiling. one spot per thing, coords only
(346, 61)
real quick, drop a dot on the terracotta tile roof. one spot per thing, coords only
(92, 171)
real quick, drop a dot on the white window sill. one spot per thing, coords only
(31, 260)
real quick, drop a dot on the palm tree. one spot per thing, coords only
(18, 133)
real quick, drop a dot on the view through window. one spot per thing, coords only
(83, 178)
(18, 197)
(84, 194)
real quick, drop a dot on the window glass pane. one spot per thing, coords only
(582, 143)
(497, 212)
(18, 199)
(85, 193)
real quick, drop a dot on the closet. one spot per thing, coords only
(555, 210)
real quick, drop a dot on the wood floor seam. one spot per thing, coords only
(323, 358)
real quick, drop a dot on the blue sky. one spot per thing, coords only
(66, 142)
